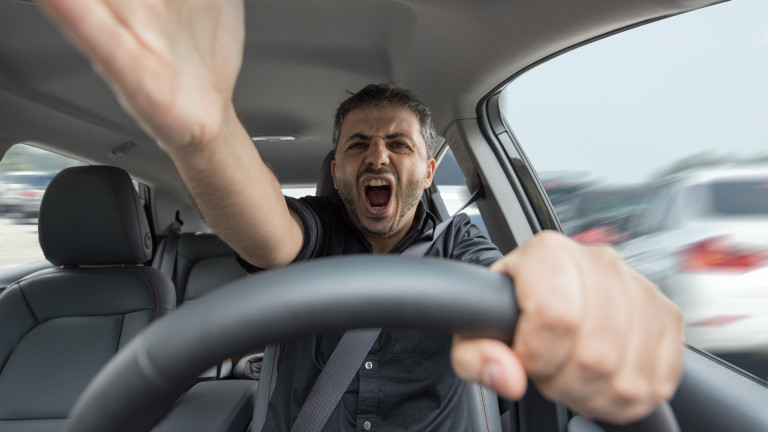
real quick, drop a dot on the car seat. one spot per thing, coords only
(61, 325)
(202, 263)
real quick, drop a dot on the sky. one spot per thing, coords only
(625, 107)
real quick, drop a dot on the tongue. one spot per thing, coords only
(377, 196)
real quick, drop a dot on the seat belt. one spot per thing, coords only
(346, 360)
(167, 262)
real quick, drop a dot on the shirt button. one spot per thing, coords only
(367, 424)
(369, 366)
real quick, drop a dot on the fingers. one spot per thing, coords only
(95, 29)
(592, 333)
(547, 325)
(490, 363)
(110, 34)
(172, 64)
(651, 364)
(103, 31)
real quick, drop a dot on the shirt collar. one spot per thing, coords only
(424, 229)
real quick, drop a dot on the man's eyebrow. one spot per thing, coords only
(364, 137)
(359, 136)
(397, 135)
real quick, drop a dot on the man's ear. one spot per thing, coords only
(333, 173)
(431, 167)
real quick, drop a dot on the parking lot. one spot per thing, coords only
(18, 243)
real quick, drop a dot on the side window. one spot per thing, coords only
(675, 112)
(25, 172)
(454, 192)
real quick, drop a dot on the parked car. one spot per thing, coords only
(702, 237)
(301, 57)
(21, 192)
(563, 188)
(602, 214)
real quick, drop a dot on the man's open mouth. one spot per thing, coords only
(378, 192)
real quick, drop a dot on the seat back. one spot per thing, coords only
(61, 325)
(203, 263)
(200, 264)
(325, 186)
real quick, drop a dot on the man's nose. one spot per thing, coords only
(378, 153)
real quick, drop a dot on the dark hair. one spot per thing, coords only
(377, 95)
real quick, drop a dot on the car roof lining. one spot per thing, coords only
(299, 65)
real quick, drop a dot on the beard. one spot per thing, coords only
(352, 198)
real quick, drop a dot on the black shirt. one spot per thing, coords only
(406, 382)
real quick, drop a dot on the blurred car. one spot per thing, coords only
(702, 237)
(563, 187)
(601, 214)
(21, 193)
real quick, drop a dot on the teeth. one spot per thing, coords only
(377, 183)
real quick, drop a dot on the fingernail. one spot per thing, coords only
(492, 375)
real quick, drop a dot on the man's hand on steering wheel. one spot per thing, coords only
(592, 333)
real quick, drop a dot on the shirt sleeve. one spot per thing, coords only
(307, 210)
(469, 243)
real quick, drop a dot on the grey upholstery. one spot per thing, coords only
(61, 325)
(483, 405)
(266, 386)
(325, 186)
(220, 406)
(93, 216)
(204, 262)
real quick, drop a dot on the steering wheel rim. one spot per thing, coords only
(139, 386)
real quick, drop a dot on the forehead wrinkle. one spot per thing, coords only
(398, 135)
(359, 135)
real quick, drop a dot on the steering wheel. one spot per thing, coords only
(138, 387)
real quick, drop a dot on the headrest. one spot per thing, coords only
(92, 215)
(325, 185)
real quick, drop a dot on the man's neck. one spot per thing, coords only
(382, 245)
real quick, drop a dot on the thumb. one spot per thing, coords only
(491, 363)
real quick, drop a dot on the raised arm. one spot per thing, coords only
(173, 66)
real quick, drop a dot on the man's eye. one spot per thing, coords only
(398, 145)
(357, 146)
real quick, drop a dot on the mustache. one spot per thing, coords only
(369, 170)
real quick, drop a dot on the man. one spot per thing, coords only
(610, 347)
(384, 136)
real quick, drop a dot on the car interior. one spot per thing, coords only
(139, 311)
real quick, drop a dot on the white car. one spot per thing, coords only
(703, 239)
